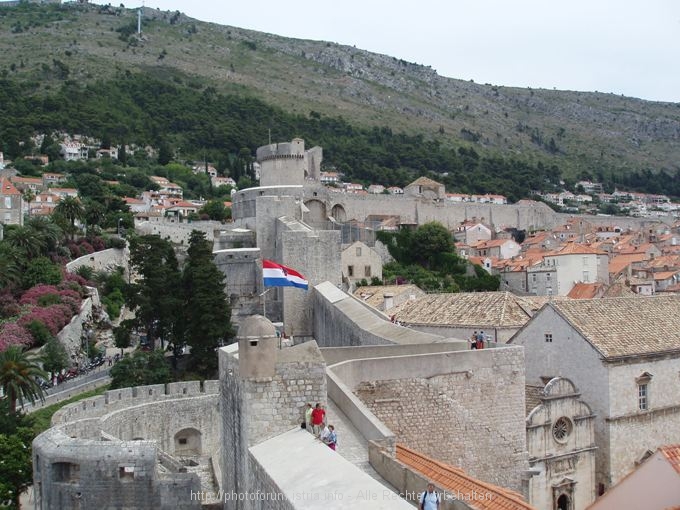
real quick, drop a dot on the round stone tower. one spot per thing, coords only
(282, 164)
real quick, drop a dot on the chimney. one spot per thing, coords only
(388, 300)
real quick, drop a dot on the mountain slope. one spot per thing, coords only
(581, 132)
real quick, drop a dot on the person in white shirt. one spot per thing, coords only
(429, 500)
(324, 434)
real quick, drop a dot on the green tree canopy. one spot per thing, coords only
(208, 315)
(139, 369)
(155, 296)
(19, 372)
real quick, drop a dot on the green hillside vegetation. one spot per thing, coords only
(209, 92)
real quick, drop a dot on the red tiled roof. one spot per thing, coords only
(584, 290)
(456, 481)
(577, 249)
(672, 454)
(7, 188)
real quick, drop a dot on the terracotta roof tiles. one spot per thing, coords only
(456, 481)
(672, 454)
(473, 309)
(625, 326)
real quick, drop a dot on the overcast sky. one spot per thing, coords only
(629, 47)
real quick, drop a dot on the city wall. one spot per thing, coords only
(455, 395)
(99, 449)
(340, 320)
(178, 233)
(104, 260)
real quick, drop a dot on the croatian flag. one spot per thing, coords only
(276, 275)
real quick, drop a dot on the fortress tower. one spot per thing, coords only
(288, 163)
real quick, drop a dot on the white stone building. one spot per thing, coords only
(360, 262)
(623, 354)
(561, 444)
(575, 263)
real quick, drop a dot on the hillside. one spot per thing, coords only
(580, 132)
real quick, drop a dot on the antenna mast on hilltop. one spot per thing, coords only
(139, 20)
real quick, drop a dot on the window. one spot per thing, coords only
(585, 261)
(562, 429)
(358, 251)
(548, 337)
(8, 202)
(367, 271)
(643, 397)
(586, 276)
(547, 276)
(350, 271)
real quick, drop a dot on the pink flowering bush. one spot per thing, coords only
(32, 295)
(12, 333)
(9, 307)
(55, 317)
(74, 278)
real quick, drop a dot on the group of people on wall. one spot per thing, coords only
(317, 424)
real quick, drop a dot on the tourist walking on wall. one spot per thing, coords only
(332, 438)
(473, 341)
(480, 340)
(429, 500)
(318, 419)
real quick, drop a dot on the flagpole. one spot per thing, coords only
(264, 302)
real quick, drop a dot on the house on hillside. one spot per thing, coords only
(426, 188)
(575, 263)
(11, 204)
(623, 354)
(498, 248)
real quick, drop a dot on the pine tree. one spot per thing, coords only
(155, 295)
(207, 312)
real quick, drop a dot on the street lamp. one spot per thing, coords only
(119, 220)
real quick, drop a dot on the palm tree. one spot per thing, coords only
(49, 232)
(10, 267)
(19, 372)
(26, 240)
(71, 209)
(29, 196)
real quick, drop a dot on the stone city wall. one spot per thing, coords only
(178, 233)
(88, 472)
(104, 260)
(341, 320)
(71, 335)
(116, 400)
(455, 397)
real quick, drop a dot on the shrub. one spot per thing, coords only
(12, 333)
(39, 332)
(42, 270)
(8, 306)
(85, 272)
(49, 299)
(86, 248)
(116, 242)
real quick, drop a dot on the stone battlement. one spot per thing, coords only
(116, 400)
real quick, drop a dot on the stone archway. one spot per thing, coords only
(316, 212)
(188, 442)
(563, 503)
(338, 213)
